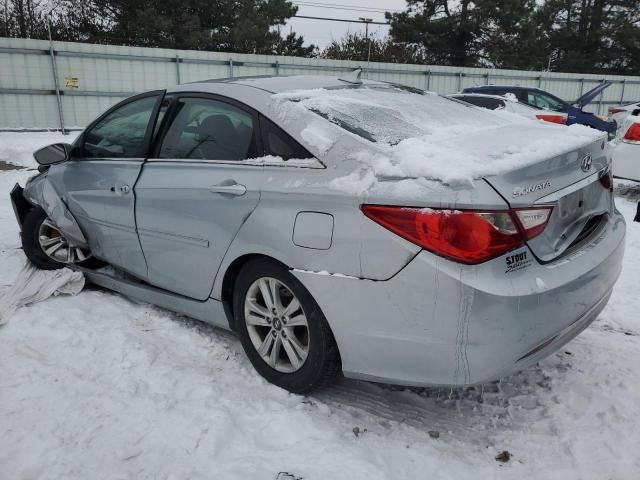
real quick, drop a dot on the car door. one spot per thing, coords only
(197, 190)
(99, 181)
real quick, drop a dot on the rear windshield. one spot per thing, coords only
(389, 115)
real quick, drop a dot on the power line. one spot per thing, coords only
(338, 20)
(340, 6)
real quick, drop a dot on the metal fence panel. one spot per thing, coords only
(108, 73)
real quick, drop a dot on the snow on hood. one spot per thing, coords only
(424, 135)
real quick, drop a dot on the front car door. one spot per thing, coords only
(99, 182)
(197, 190)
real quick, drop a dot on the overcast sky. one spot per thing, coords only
(321, 32)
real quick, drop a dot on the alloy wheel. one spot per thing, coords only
(55, 245)
(277, 325)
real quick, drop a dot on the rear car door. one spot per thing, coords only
(197, 190)
(99, 182)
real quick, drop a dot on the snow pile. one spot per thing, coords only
(426, 135)
(34, 285)
(15, 150)
(319, 135)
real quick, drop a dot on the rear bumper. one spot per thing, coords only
(626, 161)
(441, 323)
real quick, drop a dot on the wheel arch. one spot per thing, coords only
(229, 280)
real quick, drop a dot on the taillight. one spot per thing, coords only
(466, 236)
(614, 110)
(548, 117)
(633, 134)
(607, 181)
(533, 220)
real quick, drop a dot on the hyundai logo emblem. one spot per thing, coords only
(585, 163)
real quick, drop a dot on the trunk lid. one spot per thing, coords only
(588, 97)
(570, 183)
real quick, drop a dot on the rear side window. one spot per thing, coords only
(121, 133)
(484, 102)
(279, 143)
(546, 102)
(209, 129)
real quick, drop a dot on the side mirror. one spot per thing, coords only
(51, 154)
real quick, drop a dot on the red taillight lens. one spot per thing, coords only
(464, 236)
(607, 181)
(549, 117)
(614, 110)
(633, 134)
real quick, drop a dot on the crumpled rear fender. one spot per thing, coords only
(41, 191)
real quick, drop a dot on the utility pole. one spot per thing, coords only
(366, 22)
(54, 68)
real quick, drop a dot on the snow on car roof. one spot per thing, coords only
(429, 136)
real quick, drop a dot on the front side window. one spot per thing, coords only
(546, 102)
(121, 133)
(209, 129)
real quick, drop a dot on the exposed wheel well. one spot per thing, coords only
(230, 279)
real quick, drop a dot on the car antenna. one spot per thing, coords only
(352, 77)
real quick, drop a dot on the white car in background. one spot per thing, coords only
(626, 154)
(510, 103)
(619, 114)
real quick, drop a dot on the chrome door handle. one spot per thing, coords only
(233, 189)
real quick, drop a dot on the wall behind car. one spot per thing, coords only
(67, 84)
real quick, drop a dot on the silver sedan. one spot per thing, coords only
(339, 226)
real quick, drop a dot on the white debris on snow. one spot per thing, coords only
(96, 386)
(432, 136)
(34, 285)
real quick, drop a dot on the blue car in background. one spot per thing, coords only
(544, 100)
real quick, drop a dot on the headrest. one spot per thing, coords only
(218, 127)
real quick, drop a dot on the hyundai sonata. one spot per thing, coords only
(339, 226)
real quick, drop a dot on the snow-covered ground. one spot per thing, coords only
(99, 387)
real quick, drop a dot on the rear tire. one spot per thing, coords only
(36, 223)
(297, 349)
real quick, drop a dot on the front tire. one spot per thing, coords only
(46, 247)
(282, 329)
